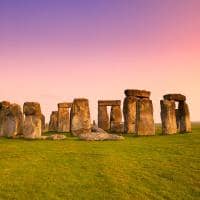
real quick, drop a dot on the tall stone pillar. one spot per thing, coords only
(129, 111)
(32, 123)
(3, 107)
(63, 117)
(168, 117)
(144, 117)
(13, 121)
(80, 117)
(53, 124)
(43, 122)
(116, 119)
(185, 123)
(103, 118)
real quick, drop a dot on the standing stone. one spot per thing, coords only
(178, 119)
(3, 107)
(13, 121)
(43, 122)
(116, 119)
(53, 124)
(129, 111)
(168, 117)
(185, 123)
(63, 117)
(80, 117)
(103, 118)
(32, 123)
(144, 118)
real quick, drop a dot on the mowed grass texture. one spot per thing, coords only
(156, 167)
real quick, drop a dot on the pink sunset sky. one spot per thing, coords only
(54, 51)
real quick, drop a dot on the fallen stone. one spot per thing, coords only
(99, 136)
(57, 137)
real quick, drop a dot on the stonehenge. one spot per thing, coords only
(53, 124)
(138, 112)
(114, 124)
(75, 117)
(80, 121)
(64, 117)
(175, 119)
(32, 123)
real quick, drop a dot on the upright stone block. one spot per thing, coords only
(53, 124)
(63, 117)
(43, 122)
(3, 107)
(80, 117)
(13, 121)
(168, 117)
(178, 119)
(144, 118)
(116, 119)
(129, 111)
(32, 123)
(185, 123)
(103, 118)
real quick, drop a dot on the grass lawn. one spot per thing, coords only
(156, 167)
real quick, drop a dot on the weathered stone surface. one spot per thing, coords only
(43, 122)
(53, 124)
(129, 111)
(137, 93)
(185, 123)
(144, 118)
(65, 105)
(103, 118)
(168, 117)
(175, 97)
(100, 136)
(109, 102)
(13, 121)
(31, 108)
(32, 124)
(63, 118)
(96, 129)
(80, 117)
(57, 137)
(3, 106)
(178, 120)
(116, 119)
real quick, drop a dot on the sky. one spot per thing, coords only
(54, 51)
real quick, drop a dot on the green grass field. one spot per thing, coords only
(156, 167)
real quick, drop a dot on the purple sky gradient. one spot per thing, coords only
(53, 51)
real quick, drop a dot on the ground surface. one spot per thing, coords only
(157, 167)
